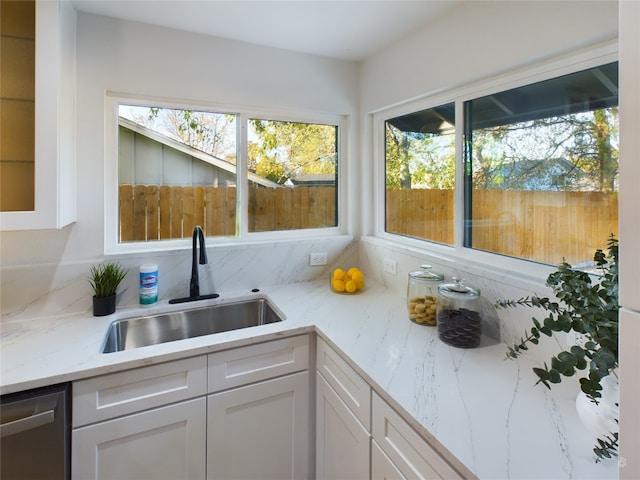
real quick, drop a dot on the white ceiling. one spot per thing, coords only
(349, 30)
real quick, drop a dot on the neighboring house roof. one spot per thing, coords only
(545, 174)
(191, 151)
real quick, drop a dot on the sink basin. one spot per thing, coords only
(138, 332)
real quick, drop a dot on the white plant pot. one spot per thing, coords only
(600, 419)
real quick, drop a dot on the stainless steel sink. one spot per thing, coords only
(137, 332)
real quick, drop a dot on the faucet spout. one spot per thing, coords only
(194, 285)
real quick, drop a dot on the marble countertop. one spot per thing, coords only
(483, 409)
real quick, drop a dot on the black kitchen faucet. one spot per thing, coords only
(194, 284)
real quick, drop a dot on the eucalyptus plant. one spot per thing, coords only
(588, 305)
(105, 278)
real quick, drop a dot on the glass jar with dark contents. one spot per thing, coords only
(422, 293)
(459, 321)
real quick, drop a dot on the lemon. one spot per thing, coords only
(357, 276)
(359, 284)
(338, 285)
(339, 274)
(351, 271)
(350, 286)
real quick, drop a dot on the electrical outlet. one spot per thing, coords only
(390, 266)
(318, 259)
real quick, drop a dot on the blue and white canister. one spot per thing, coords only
(148, 284)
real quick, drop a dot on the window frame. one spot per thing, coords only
(476, 260)
(243, 113)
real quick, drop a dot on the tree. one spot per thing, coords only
(283, 150)
(212, 133)
(419, 160)
(518, 155)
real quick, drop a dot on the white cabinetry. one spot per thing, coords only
(157, 422)
(382, 468)
(162, 443)
(402, 450)
(55, 180)
(137, 435)
(343, 407)
(261, 429)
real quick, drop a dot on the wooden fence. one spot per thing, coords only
(149, 212)
(545, 227)
(540, 226)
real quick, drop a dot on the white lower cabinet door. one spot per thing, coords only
(260, 431)
(381, 467)
(342, 442)
(163, 443)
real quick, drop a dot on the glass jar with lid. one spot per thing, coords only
(422, 295)
(459, 321)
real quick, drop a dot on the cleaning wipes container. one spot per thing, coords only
(148, 284)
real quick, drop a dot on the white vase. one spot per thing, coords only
(600, 419)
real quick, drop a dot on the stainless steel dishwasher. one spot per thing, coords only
(35, 434)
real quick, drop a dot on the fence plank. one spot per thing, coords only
(165, 212)
(177, 212)
(188, 211)
(280, 213)
(125, 200)
(153, 211)
(199, 206)
(230, 211)
(139, 213)
(209, 212)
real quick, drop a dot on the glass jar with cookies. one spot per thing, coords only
(422, 294)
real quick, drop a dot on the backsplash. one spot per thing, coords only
(49, 290)
(45, 290)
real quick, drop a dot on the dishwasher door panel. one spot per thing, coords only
(35, 434)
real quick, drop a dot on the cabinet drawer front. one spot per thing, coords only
(408, 451)
(253, 363)
(381, 467)
(116, 394)
(163, 443)
(349, 386)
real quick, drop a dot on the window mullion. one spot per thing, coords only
(458, 209)
(242, 183)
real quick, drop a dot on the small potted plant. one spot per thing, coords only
(587, 305)
(104, 280)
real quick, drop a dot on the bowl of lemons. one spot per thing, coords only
(347, 282)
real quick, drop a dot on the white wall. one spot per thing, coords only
(136, 59)
(478, 39)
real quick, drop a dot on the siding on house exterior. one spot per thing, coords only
(144, 161)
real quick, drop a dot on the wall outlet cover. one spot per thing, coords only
(390, 266)
(317, 259)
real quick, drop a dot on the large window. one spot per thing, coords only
(542, 168)
(420, 174)
(179, 168)
(537, 174)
